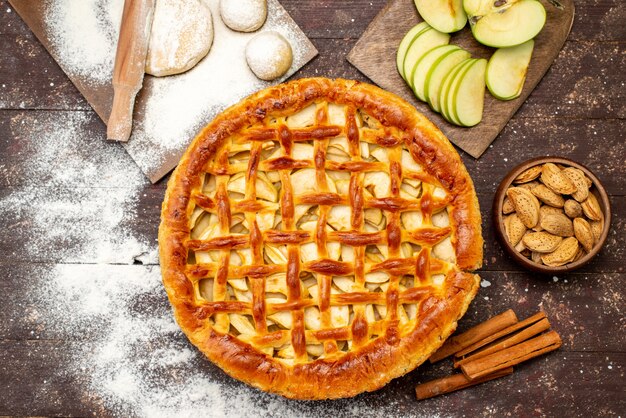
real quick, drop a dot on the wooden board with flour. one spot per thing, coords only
(81, 36)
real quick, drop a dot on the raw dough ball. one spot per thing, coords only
(182, 34)
(269, 55)
(243, 15)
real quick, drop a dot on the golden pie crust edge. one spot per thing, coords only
(385, 358)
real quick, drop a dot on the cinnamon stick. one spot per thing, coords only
(473, 335)
(508, 330)
(523, 335)
(511, 356)
(455, 382)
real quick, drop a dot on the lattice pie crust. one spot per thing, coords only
(315, 239)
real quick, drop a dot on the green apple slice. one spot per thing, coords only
(427, 40)
(406, 42)
(511, 24)
(444, 15)
(422, 69)
(435, 78)
(506, 71)
(445, 86)
(447, 95)
(469, 95)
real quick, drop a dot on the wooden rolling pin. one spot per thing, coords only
(130, 61)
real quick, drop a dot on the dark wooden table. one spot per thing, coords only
(577, 111)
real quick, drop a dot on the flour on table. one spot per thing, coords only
(73, 211)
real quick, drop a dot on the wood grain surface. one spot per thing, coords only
(374, 55)
(577, 110)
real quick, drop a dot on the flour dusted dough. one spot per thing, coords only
(243, 15)
(269, 55)
(182, 34)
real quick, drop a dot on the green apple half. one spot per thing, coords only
(406, 43)
(506, 71)
(425, 41)
(447, 86)
(424, 65)
(505, 23)
(469, 94)
(437, 74)
(444, 15)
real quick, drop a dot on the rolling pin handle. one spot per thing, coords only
(120, 122)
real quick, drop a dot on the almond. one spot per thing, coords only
(507, 206)
(553, 177)
(543, 212)
(536, 257)
(547, 196)
(530, 185)
(564, 253)
(557, 224)
(549, 210)
(541, 242)
(526, 205)
(514, 228)
(528, 175)
(591, 208)
(572, 208)
(578, 178)
(582, 231)
(596, 229)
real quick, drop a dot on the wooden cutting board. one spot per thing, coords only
(169, 111)
(375, 56)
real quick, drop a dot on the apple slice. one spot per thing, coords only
(447, 95)
(469, 98)
(506, 71)
(425, 41)
(444, 15)
(422, 69)
(437, 74)
(406, 42)
(508, 24)
(445, 85)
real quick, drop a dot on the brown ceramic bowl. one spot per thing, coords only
(597, 189)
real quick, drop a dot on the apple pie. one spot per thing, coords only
(317, 239)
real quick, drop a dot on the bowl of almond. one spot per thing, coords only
(551, 214)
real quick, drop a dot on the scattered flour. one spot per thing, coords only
(71, 196)
(82, 37)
